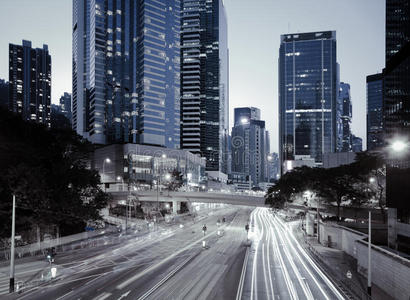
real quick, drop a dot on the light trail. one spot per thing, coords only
(288, 282)
(292, 264)
(308, 258)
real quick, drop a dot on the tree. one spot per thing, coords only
(48, 172)
(175, 181)
(333, 185)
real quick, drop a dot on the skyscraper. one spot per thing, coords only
(30, 82)
(65, 105)
(249, 157)
(126, 78)
(396, 126)
(204, 82)
(307, 95)
(344, 118)
(374, 111)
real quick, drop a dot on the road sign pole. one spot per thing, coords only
(13, 225)
(369, 264)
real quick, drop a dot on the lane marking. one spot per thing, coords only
(243, 273)
(153, 267)
(163, 280)
(102, 296)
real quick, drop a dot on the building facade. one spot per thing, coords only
(374, 111)
(204, 82)
(273, 167)
(30, 82)
(344, 118)
(396, 118)
(126, 78)
(65, 105)
(142, 166)
(357, 144)
(307, 96)
(249, 155)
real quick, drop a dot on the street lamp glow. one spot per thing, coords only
(164, 155)
(107, 160)
(119, 178)
(167, 176)
(372, 179)
(269, 157)
(244, 120)
(399, 146)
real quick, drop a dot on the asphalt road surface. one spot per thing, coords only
(168, 264)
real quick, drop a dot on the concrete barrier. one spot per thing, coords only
(389, 271)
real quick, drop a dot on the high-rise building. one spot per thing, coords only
(4, 93)
(126, 79)
(204, 82)
(374, 111)
(396, 126)
(30, 82)
(65, 105)
(344, 118)
(307, 96)
(249, 145)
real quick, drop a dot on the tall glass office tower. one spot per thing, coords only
(204, 81)
(126, 78)
(307, 95)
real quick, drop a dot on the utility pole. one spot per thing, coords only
(13, 225)
(369, 264)
(318, 220)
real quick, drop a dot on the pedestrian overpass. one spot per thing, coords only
(192, 197)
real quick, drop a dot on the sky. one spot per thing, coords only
(254, 29)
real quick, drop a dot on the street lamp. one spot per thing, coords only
(399, 146)
(106, 160)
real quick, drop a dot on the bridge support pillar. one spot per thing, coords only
(176, 205)
(310, 224)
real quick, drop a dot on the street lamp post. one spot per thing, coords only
(369, 264)
(106, 160)
(13, 225)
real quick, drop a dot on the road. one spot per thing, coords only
(169, 264)
(278, 267)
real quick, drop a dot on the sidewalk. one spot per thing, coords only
(338, 265)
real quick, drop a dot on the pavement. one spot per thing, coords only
(167, 264)
(337, 264)
(278, 267)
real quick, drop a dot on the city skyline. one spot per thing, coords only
(271, 20)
